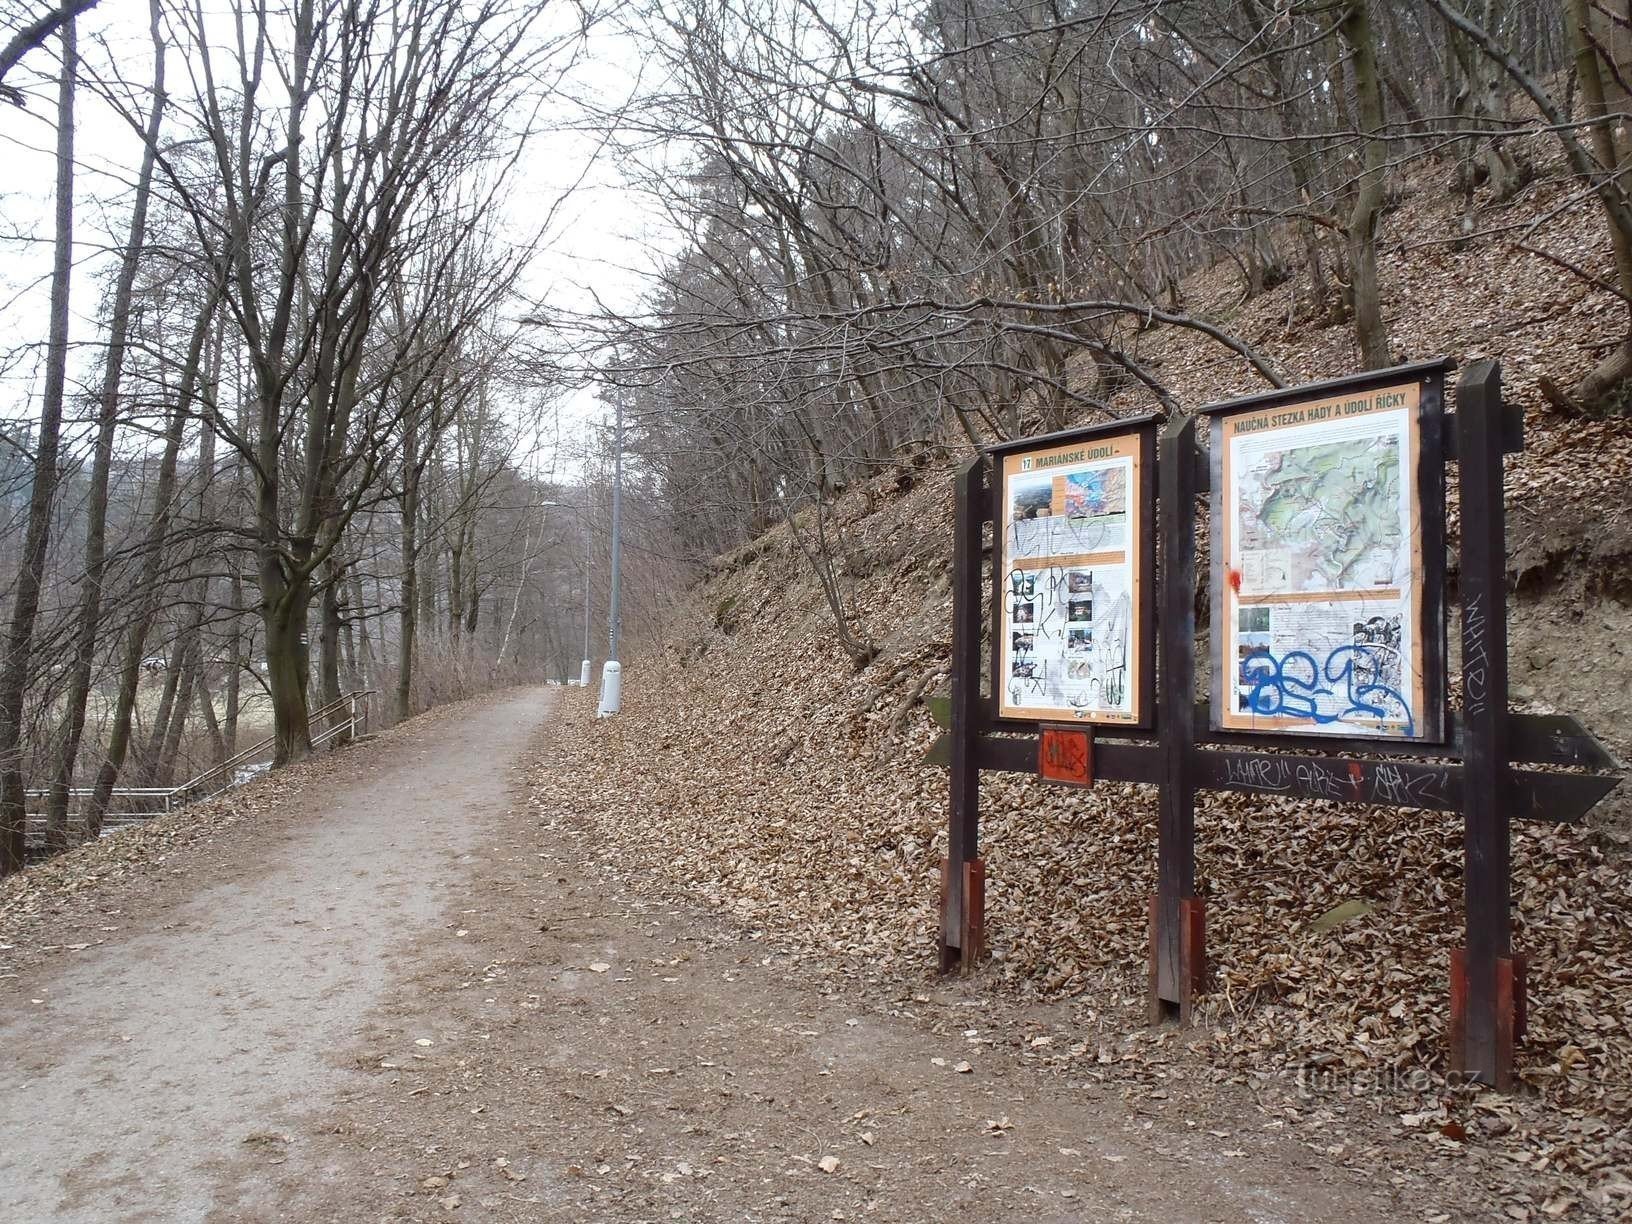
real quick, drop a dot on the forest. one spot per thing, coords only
(284, 411)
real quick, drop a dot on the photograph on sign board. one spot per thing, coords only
(1070, 574)
(1029, 669)
(1068, 513)
(1321, 579)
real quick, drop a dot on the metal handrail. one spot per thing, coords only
(197, 782)
(323, 711)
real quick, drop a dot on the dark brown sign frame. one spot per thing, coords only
(1427, 702)
(1141, 538)
(1474, 768)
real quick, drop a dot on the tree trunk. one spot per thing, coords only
(425, 585)
(1369, 329)
(283, 618)
(1299, 158)
(348, 641)
(31, 565)
(167, 732)
(456, 589)
(408, 597)
(90, 604)
(212, 724)
(153, 754)
(146, 595)
(328, 637)
(235, 667)
(363, 650)
(1603, 380)
(169, 750)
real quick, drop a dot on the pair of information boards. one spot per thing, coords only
(1319, 584)
(1321, 514)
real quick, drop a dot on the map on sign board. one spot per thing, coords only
(1324, 517)
(1321, 581)
(1069, 581)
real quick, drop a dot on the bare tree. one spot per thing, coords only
(109, 411)
(33, 34)
(14, 670)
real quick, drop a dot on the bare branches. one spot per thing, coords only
(32, 35)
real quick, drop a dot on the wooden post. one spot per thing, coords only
(963, 891)
(1178, 949)
(1485, 1008)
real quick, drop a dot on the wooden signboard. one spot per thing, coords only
(1327, 562)
(1328, 649)
(1073, 574)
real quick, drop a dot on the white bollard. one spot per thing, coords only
(583, 675)
(611, 689)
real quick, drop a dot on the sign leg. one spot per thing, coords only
(1509, 1019)
(963, 894)
(1483, 1035)
(1178, 947)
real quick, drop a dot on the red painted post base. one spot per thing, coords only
(970, 948)
(1192, 960)
(1512, 1017)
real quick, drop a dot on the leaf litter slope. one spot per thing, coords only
(754, 770)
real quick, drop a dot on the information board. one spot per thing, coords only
(1318, 569)
(1073, 547)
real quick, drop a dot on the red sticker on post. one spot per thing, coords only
(1066, 754)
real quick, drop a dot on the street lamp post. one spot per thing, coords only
(612, 672)
(589, 561)
(589, 570)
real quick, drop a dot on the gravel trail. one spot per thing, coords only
(140, 1072)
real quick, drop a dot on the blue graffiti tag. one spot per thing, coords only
(1344, 688)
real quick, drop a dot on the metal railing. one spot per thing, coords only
(133, 804)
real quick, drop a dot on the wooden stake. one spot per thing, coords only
(1177, 945)
(1487, 1028)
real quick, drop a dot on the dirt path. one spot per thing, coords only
(413, 1002)
(149, 1065)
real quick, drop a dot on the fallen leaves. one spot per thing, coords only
(73, 888)
(834, 855)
